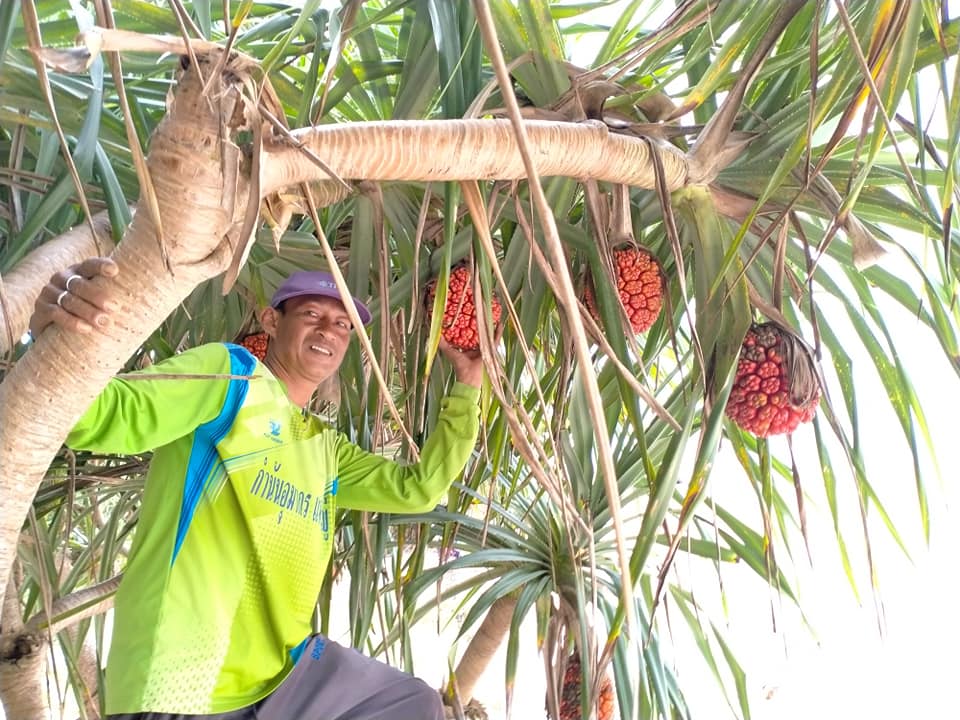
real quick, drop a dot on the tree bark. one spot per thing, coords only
(22, 672)
(200, 191)
(20, 287)
(24, 646)
(483, 645)
(23, 663)
(438, 150)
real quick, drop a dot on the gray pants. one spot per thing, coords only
(331, 682)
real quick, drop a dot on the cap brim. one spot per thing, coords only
(362, 310)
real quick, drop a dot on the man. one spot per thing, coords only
(212, 618)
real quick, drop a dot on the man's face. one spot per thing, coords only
(310, 336)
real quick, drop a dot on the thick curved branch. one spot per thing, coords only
(441, 150)
(202, 205)
(20, 287)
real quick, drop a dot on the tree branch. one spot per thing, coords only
(20, 287)
(442, 150)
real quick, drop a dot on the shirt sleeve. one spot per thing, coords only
(370, 482)
(151, 409)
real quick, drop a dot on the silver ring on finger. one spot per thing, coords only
(72, 277)
(61, 296)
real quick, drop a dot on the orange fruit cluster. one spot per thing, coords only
(256, 343)
(640, 284)
(460, 312)
(761, 401)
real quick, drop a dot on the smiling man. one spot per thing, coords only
(235, 532)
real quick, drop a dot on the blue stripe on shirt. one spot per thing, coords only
(203, 454)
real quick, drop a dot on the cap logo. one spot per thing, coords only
(314, 283)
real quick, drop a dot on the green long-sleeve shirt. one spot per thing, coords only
(234, 535)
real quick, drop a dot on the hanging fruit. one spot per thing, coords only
(640, 285)
(460, 312)
(256, 343)
(776, 386)
(573, 688)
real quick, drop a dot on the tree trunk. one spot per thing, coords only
(23, 663)
(20, 287)
(483, 645)
(23, 674)
(22, 671)
(22, 643)
(200, 191)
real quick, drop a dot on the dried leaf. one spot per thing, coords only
(866, 249)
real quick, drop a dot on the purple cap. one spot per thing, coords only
(314, 282)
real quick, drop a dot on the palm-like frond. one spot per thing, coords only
(818, 164)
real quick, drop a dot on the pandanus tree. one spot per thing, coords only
(764, 155)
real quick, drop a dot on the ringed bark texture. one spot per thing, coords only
(23, 661)
(22, 285)
(53, 383)
(438, 150)
(23, 679)
(484, 645)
